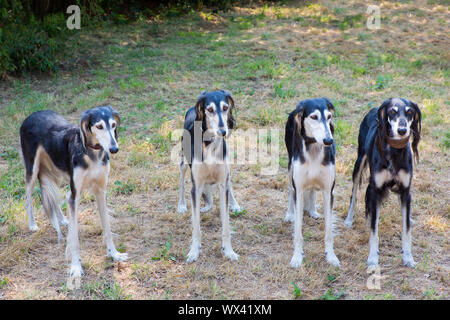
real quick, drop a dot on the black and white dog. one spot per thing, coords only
(311, 150)
(205, 151)
(53, 149)
(383, 144)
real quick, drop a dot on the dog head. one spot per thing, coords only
(398, 119)
(314, 120)
(215, 110)
(99, 128)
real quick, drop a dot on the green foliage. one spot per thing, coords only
(297, 293)
(163, 253)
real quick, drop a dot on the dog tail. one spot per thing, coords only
(50, 197)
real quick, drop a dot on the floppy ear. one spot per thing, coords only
(117, 120)
(231, 122)
(382, 131)
(85, 127)
(416, 127)
(298, 122)
(199, 106)
(330, 107)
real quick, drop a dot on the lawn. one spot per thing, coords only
(269, 57)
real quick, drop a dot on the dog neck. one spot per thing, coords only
(398, 144)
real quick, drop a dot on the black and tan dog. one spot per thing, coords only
(383, 145)
(204, 149)
(53, 149)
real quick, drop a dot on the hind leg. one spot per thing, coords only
(290, 211)
(31, 176)
(357, 171)
(310, 204)
(234, 206)
(182, 201)
(207, 196)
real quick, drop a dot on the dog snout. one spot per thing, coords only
(327, 141)
(222, 132)
(402, 131)
(114, 149)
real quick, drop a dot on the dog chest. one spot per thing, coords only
(385, 176)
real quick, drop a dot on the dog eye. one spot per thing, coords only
(99, 126)
(210, 109)
(314, 117)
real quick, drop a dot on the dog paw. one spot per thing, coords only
(206, 208)
(236, 208)
(348, 223)
(333, 260)
(289, 217)
(64, 221)
(229, 253)
(314, 214)
(296, 260)
(409, 262)
(117, 256)
(192, 255)
(74, 280)
(182, 208)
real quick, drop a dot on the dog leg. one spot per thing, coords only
(226, 233)
(328, 212)
(297, 257)
(182, 202)
(234, 206)
(408, 259)
(310, 204)
(357, 171)
(207, 196)
(289, 217)
(73, 243)
(111, 251)
(196, 192)
(373, 204)
(30, 181)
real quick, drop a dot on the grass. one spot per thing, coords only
(268, 57)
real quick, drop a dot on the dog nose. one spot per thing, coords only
(327, 141)
(113, 150)
(401, 131)
(222, 132)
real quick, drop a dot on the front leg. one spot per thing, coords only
(372, 208)
(328, 212)
(297, 257)
(405, 202)
(182, 202)
(73, 244)
(196, 192)
(100, 196)
(226, 233)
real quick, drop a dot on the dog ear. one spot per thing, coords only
(330, 107)
(416, 128)
(117, 120)
(231, 122)
(298, 120)
(199, 106)
(85, 127)
(382, 130)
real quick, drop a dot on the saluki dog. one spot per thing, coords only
(53, 149)
(383, 144)
(205, 151)
(311, 150)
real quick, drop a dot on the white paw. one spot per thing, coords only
(348, 223)
(332, 259)
(64, 221)
(182, 208)
(117, 256)
(193, 254)
(296, 260)
(236, 208)
(314, 214)
(372, 261)
(74, 280)
(206, 208)
(408, 261)
(229, 253)
(34, 227)
(289, 217)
